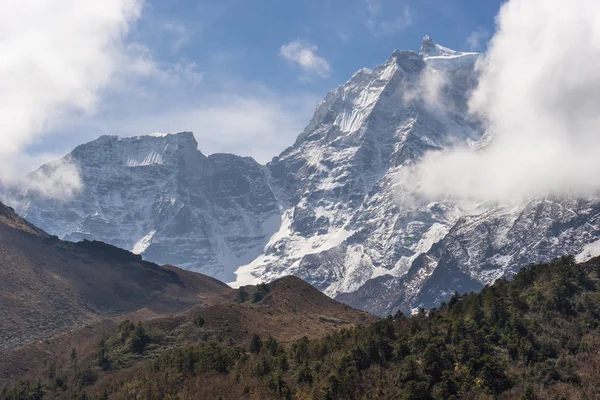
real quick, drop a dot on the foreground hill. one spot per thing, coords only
(534, 337)
(49, 286)
(58, 298)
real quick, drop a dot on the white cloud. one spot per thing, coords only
(138, 66)
(305, 56)
(96, 81)
(245, 124)
(56, 57)
(381, 26)
(242, 118)
(429, 89)
(477, 39)
(58, 179)
(540, 88)
(226, 113)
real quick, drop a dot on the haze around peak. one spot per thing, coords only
(56, 58)
(539, 92)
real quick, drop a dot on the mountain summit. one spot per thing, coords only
(161, 197)
(329, 208)
(430, 49)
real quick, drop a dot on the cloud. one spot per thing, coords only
(239, 117)
(139, 69)
(226, 113)
(383, 27)
(246, 124)
(58, 179)
(179, 34)
(304, 55)
(540, 91)
(56, 58)
(429, 89)
(477, 39)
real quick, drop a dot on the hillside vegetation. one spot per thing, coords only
(49, 286)
(536, 336)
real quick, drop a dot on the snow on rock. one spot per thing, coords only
(329, 209)
(162, 198)
(141, 245)
(589, 251)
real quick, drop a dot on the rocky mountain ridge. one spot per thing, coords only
(330, 209)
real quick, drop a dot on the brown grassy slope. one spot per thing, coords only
(48, 286)
(56, 296)
(292, 309)
(9, 217)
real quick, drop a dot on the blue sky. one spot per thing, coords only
(245, 76)
(243, 37)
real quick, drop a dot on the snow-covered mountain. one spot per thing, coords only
(329, 209)
(161, 197)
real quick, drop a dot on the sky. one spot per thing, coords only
(245, 76)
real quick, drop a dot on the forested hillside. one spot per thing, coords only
(536, 336)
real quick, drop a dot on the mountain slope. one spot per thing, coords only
(345, 223)
(9, 218)
(354, 232)
(48, 286)
(330, 209)
(290, 310)
(56, 296)
(160, 197)
(536, 336)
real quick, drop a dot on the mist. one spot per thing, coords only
(56, 59)
(540, 93)
(429, 89)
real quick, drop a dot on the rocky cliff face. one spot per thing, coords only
(160, 197)
(344, 223)
(330, 208)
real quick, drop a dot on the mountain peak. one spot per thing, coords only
(136, 151)
(428, 46)
(179, 136)
(176, 137)
(184, 138)
(408, 61)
